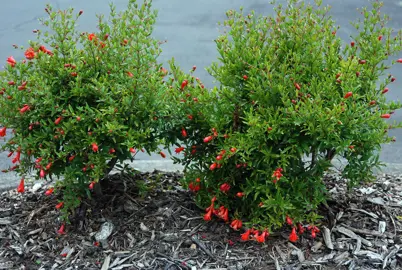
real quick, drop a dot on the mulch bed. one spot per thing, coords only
(163, 229)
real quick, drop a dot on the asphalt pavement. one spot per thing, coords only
(189, 26)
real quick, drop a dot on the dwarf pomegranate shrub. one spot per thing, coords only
(80, 102)
(292, 96)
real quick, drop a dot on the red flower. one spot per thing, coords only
(399, 60)
(289, 221)
(233, 149)
(261, 238)
(17, 157)
(91, 36)
(245, 77)
(348, 95)
(393, 79)
(293, 236)
(91, 185)
(190, 117)
(362, 62)
(385, 90)
(59, 205)
(236, 224)
(111, 151)
(132, 150)
(357, 73)
(80, 13)
(42, 173)
(225, 187)
(11, 61)
(352, 43)
(21, 186)
(57, 121)
(387, 115)
(183, 84)
(213, 166)
(208, 139)
(239, 194)
(372, 102)
(24, 109)
(129, 74)
(208, 215)
(277, 174)
(43, 49)
(61, 230)
(219, 157)
(297, 86)
(246, 236)
(3, 131)
(49, 191)
(179, 149)
(71, 158)
(379, 37)
(95, 147)
(300, 228)
(30, 53)
(193, 187)
(183, 132)
(162, 154)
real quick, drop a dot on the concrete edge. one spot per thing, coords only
(12, 180)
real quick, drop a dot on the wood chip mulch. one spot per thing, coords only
(163, 229)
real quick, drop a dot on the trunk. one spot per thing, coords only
(110, 166)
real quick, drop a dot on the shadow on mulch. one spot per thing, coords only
(164, 229)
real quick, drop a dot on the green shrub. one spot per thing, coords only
(292, 96)
(85, 102)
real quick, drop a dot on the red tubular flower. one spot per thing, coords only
(233, 149)
(162, 154)
(236, 224)
(49, 191)
(183, 84)
(289, 221)
(92, 185)
(190, 117)
(91, 36)
(179, 149)
(225, 187)
(213, 166)
(21, 186)
(362, 62)
(132, 150)
(219, 157)
(246, 236)
(277, 174)
(59, 205)
(348, 95)
(208, 139)
(111, 151)
(129, 74)
(3, 131)
(49, 165)
(352, 44)
(373, 102)
(30, 53)
(61, 230)
(42, 173)
(260, 238)
(17, 157)
(193, 187)
(399, 60)
(208, 215)
(24, 109)
(95, 147)
(183, 132)
(245, 77)
(11, 61)
(300, 228)
(239, 194)
(297, 86)
(57, 121)
(293, 236)
(387, 115)
(385, 90)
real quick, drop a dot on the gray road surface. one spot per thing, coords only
(189, 26)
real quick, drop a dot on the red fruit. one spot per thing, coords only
(385, 90)
(183, 132)
(190, 117)
(78, 118)
(352, 43)
(219, 157)
(300, 228)
(294, 101)
(239, 194)
(373, 102)
(162, 154)
(49, 165)
(297, 86)
(95, 147)
(387, 115)
(195, 99)
(59, 205)
(179, 149)
(111, 151)
(245, 77)
(208, 139)
(24, 109)
(49, 191)
(293, 236)
(357, 73)
(348, 95)
(132, 150)
(213, 166)
(233, 149)
(71, 158)
(3, 131)
(362, 62)
(42, 173)
(21, 186)
(246, 236)
(74, 74)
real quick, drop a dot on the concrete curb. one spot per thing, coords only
(12, 179)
